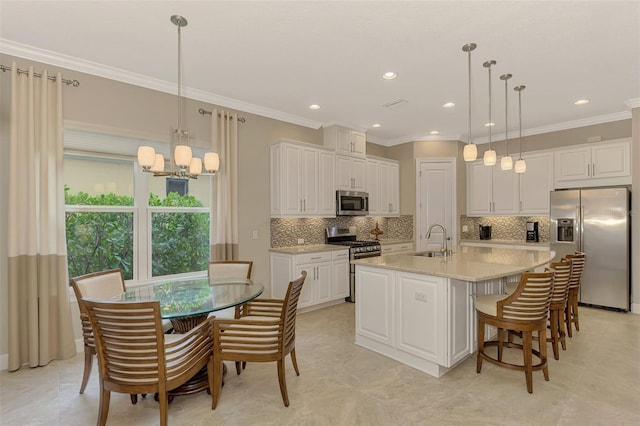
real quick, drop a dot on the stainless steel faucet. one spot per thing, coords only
(444, 248)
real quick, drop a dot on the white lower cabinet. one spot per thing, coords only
(327, 276)
(423, 321)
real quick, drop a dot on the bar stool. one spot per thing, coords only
(559, 297)
(571, 311)
(524, 311)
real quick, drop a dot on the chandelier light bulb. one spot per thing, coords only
(211, 162)
(146, 156)
(183, 156)
(158, 164)
(195, 166)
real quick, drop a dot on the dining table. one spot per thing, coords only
(186, 302)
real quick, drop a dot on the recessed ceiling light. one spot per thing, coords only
(449, 105)
(489, 124)
(314, 106)
(390, 75)
(581, 101)
(377, 125)
(434, 132)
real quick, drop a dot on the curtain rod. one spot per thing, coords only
(74, 83)
(203, 112)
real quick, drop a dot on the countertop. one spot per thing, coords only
(509, 242)
(466, 263)
(316, 248)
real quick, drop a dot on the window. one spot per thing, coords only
(120, 217)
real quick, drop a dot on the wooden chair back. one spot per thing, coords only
(290, 310)
(530, 301)
(562, 275)
(577, 267)
(99, 285)
(231, 269)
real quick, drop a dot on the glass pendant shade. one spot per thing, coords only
(470, 152)
(183, 156)
(489, 157)
(521, 166)
(146, 156)
(211, 162)
(506, 163)
(158, 164)
(195, 167)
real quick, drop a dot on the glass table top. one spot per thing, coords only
(194, 296)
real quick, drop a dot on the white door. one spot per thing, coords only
(436, 201)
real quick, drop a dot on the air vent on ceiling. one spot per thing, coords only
(395, 103)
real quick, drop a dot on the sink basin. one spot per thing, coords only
(434, 253)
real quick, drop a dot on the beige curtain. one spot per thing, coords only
(39, 317)
(224, 139)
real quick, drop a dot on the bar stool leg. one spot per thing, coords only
(480, 345)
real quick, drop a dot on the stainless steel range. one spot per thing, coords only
(357, 250)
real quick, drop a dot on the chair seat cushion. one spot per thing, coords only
(488, 303)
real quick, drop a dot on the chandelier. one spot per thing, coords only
(182, 163)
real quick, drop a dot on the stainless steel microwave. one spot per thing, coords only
(352, 203)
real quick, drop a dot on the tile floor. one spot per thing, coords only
(595, 382)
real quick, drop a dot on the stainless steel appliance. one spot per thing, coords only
(352, 203)
(596, 222)
(532, 232)
(485, 232)
(357, 250)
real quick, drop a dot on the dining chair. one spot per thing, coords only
(524, 311)
(265, 333)
(578, 260)
(98, 285)
(135, 356)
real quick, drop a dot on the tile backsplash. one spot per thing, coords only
(286, 232)
(504, 227)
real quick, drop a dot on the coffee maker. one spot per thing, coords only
(485, 232)
(532, 232)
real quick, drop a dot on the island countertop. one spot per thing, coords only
(466, 263)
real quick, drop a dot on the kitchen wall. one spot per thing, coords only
(286, 232)
(504, 227)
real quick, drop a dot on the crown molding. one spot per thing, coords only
(624, 115)
(633, 103)
(45, 56)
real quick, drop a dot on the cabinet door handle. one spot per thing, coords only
(300, 205)
(316, 258)
(593, 169)
(588, 169)
(305, 205)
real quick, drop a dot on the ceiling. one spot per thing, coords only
(275, 58)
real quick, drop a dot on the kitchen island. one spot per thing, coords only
(419, 310)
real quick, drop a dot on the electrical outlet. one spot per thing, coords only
(300, 240)
(421, 296)
(254, 234)
(465, 228)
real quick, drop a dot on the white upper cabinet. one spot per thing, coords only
(600, 164)
(302, 180)
(536, 183)
(491, 191)
(383, 186)
(350, 173)
(345, 141)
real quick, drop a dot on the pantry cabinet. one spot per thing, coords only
(599, 164)
(302, 180)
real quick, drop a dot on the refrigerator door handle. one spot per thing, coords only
(581, 218)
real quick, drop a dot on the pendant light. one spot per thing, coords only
(182, 164)
(490, 154)
(521, 165)
(470, 152)
(506, 163)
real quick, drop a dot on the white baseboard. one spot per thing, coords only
(635, 308)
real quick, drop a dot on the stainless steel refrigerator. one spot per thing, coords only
(596, 222)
